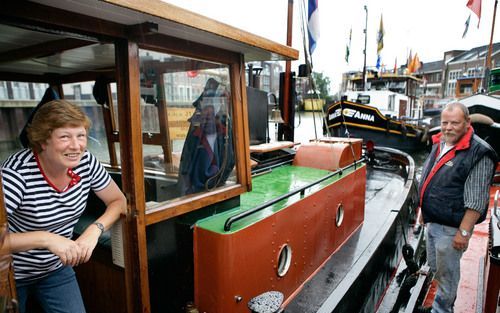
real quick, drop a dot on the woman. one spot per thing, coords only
(46, 189)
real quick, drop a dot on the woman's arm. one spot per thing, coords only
(116, 204)
(66, 249)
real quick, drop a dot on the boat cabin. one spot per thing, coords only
(313, 227)
(392, 94)
(148, 74)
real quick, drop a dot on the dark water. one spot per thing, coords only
(419, 158)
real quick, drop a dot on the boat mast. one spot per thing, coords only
(364, 51)
(288, 65)
(487, 64)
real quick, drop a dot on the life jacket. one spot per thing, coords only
(442, 185)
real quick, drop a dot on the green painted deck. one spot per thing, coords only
(269, 186)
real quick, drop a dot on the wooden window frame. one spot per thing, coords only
(235, 62)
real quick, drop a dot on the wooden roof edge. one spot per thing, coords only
(199, 22)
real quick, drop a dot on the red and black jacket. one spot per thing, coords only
(442, 185)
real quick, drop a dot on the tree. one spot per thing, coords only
(322, 84)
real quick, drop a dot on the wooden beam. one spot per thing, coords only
(193, 22)
(129, 112)
(185, 205)
(58, 79)
(167, 44)
(241, 127)
(33, 15)
(43, 49)
(141, 30)
(8, 286)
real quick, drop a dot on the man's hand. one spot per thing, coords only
(461, 242)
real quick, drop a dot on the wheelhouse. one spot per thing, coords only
(139, 69)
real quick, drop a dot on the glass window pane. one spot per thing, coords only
(187, 125)
(17, 103)
(81, 95)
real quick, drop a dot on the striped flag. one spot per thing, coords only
(313, 24)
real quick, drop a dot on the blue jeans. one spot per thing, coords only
(57, 292)
(444, 261)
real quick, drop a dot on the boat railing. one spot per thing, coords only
(301, 190)
(403, 158)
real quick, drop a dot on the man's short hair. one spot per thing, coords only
(452, 105)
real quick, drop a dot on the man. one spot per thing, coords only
(454, 195)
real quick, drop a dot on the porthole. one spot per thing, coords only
(284, 260)
(339, 217)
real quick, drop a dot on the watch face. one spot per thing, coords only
(464, 233)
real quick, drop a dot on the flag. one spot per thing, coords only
(466, 26)
(348, 47)
(414, 64)
(475, 6)
(379, 61)
(409, 63)
(380, 36)
(395, 65)
(313, 24)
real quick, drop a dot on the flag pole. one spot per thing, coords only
(490, 48)
(364, 51)
(288, 65)
(487, 61)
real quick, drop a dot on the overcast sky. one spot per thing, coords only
(426, 27)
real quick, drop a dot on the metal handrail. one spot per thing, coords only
(237, 217)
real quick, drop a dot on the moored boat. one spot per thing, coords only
(386, 112)
(322, 212)
(367, 122)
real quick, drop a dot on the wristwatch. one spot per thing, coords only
(100, 226)
(464, 233)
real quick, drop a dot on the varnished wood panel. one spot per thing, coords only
(189, 204)
(199, 22)
(136, 263)
(102, 283)
(241, 127)
(7, 284)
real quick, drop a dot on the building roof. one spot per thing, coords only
(435, 66)
(475, 54)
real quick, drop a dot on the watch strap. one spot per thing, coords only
(464, 232)
(100, 226)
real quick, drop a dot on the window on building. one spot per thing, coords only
(450, 90)
(3, 90)
(20, 91)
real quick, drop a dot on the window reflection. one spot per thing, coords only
(186, 120)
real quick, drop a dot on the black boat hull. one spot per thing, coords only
(356, 277)
(362, 121)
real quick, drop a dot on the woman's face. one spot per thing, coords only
(65, 146)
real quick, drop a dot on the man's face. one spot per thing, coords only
(453, 125)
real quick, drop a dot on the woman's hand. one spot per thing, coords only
(87, 242)
(66, 249)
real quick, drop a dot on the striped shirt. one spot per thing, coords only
(34, 205)
(477, 185)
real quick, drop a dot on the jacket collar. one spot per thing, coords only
(462, 144)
